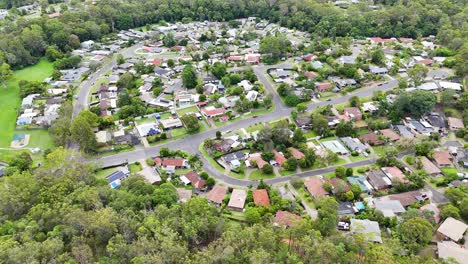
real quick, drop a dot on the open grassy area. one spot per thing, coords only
(379, 150)
(105, 172)
(448, 171)
(284, 172)
(254, 127)
(236, 175)
(135, 167)
(10, 100)
(146, 120)
(183, 111)
(258, 175)
(310, 134)
(357, 158)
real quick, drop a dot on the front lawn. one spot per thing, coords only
(135, 167)
(357, 158)
(259, 175)
(186, 110)
(284, 172)
(448, 171)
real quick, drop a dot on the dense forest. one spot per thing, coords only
(62, 213)
(23, 41)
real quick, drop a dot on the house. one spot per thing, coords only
(442, 159)
(378, 180)
(252, 58)
(194, 179)
(234, 58)
(87, 44)
(285, 219)
(452, 229)
(346, 208)
(455, 124)
(347, 60)
(378, 70)
(338, 185)
(116, 177)
(371, 139)
(309, 57)
(354, 144)
(237, 200)
(234, 159)
(389, 208)
(403, 130)
(211, 111)
(103, 136)
(295, 153)
(314, 186)
(449, 251)
(251, 95)
(210, 88)
(171, 123)
(369, 107)
(434, 209)
(436, 121)
(407, 198)
(336, 147)
(395, 174)
(368, 229)
(279, 158)
(261, 198)
(323, 86)
(389, 134)
(150, 175)
(260, 163)
(177, 163)
(246, 85)
(353, 113)
(362, 182)
(217, 194)
(184, 195)
(450, 85)
(429, 167)
(310, 75)
(304, 122)
(148, 129)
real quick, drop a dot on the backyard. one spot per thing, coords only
(10, 101)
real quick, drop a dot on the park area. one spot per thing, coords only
(9, 103)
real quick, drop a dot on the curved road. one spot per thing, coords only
(192, 143)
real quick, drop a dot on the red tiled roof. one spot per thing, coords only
(321, 87)
(353, 111)
(261, 198)
(173, 162)
(156, 61)
(378, 39)
(253, 58)
(390, 134)
(286, 218)
(314, 186)
(442, 158)
(158, 161)
(217, 194)
(406, 40)
(310, 75)
(195, 179)
(213, 112)
(259, 161)
(337, 182)
(309, 57)
(279, 158)
(297, 154)
(234, 58)
(395, 173)
(370, 138)
(426, 62)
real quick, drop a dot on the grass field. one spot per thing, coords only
(448, 171)
(10, 100)
(258, 175)
(284, 172)
(357, 158)
(183, 111)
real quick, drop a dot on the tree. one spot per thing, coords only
(345, 129)
(301, 108)
(166, 194)
(354, 101)
(82, 133)
(170, 63)
(218, 134)
(298, 136)
(191, 123)
(327, 215)
(268, 101)
(415, 233)
(349, 172)
(377, 56)
(274, 47)
(169, 40)
(189, 77)
(447, 97)
(292, 100)
(418, 73)
(120, 59)
(5, 74)
(415, 103)
(252, 216)
(210, 182)
(267, 169)
(319, 124)
(218, 70)
(284, 89)
(22, 161)
(340, 172)
(449, 211)
(290, 164)
(126, 81)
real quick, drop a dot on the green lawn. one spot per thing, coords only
(448, 171)
(236, 175)
(310, 134)
(329, 175)
(357, 158)
(258, 175)
(10, 100)
(135, 167)
(183, 111)
(254, 127)
(105, 172)
(284, 172)
(209, 158)
(379, 150)
(146, 120)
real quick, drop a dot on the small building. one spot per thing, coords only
(371, 139)
(115, 178)
(217, 194)
(452, 229)
(184, 195)
(449, 250)
(362, 182)
(353, 113)
(429, 167)
(455, 124)
(323, 87)
(434, 209)
(336, 147)
(285, 219)
(390, 208)
(378, 180)
(211, 111)
(171, 123)
(370, 230)
(354, 144)
(237, 200)
(194, 179)
(407, 198)
(150, 175)
(314, 185)
(304, 122)
(442, 159)
(295, 153)
(378, 70)
(395, 174)
(389, 134)
(103, 136)
(148, 129)
(279, 158)
(261, 198)
(346, 208)
(234, 159)
(259, 162)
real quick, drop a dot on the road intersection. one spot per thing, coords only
(191, 143)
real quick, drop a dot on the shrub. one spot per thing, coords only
(267, 169)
